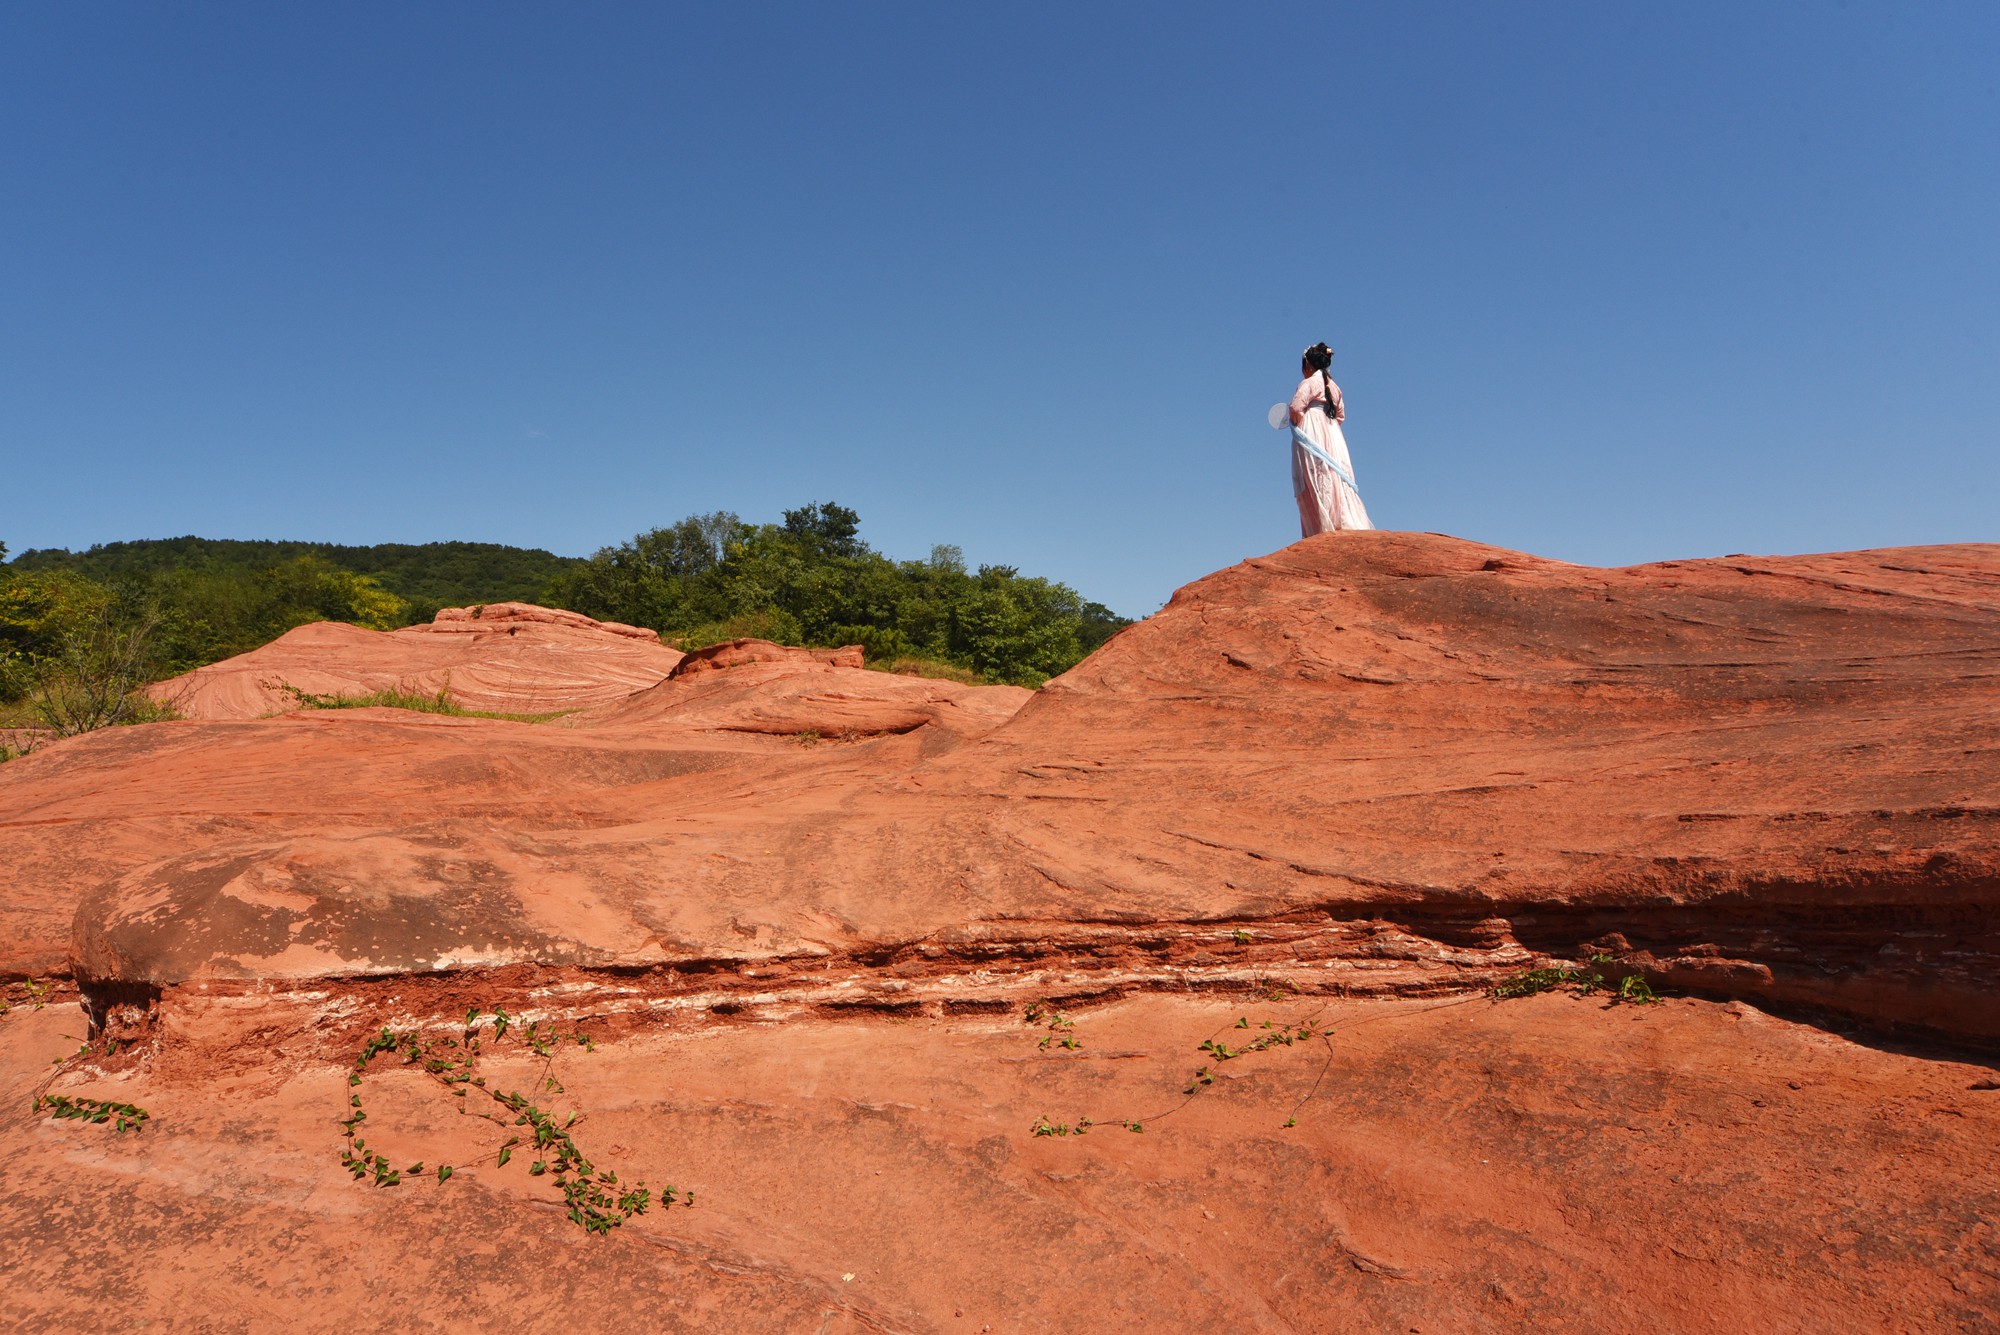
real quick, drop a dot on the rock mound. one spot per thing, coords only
(488, 618)
(741, 653)
(810, 696)
(503, 657)
(1754, 776)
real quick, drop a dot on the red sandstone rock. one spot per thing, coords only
(810, 699)
(738, 653)
(1697, 756)
(1365, 771)
(508, 616)
(503, 657)
(1455, 1166)
(357, 783)
(1748, 777)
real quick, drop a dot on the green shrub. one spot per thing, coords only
(1629, 988)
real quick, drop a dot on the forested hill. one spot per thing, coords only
(425, 576)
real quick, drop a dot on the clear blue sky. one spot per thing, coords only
(1609, 283)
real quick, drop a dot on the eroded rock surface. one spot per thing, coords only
(1449, 1165)
(1768, 778)
(807, 905)
(741, 653)
(510, 658)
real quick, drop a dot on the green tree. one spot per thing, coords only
(831, 529)
(95, 672)
(812, 580)
(35, 607)
(665, 578)
(208, 612)
(76, 651)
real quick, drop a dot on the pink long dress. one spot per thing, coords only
(1322, 474)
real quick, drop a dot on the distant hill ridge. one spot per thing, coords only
(427, 575)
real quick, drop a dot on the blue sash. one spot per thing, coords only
(1304, 442)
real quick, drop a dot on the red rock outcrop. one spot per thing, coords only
(804, 907)
(1771, 777)
(1751, 778)
(741, 653)
(486, 618)
(510, 658)
(382, 803)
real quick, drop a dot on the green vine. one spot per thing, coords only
(1058, 1025)
(598, 1201)
(62, 1107)
(1269, 1035)
(1629, 989)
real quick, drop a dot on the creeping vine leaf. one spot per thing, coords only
(597, 1200)
(63, 1107)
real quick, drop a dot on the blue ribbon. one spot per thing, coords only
(1301, 439)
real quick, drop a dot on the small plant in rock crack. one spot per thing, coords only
(35, 994)
(1058, 1025)
(1632, 988)
(62, 1107)
(1583, 981)
(1270, 1034)
(598, 1201)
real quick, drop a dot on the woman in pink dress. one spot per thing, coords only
(1322, 474)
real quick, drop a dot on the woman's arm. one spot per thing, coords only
(1302, 398)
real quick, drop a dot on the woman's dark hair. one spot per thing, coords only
(1319, 356)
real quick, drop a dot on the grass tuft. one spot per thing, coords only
(438, 703)
(935, 669)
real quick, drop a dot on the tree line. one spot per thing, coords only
(81, 631)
